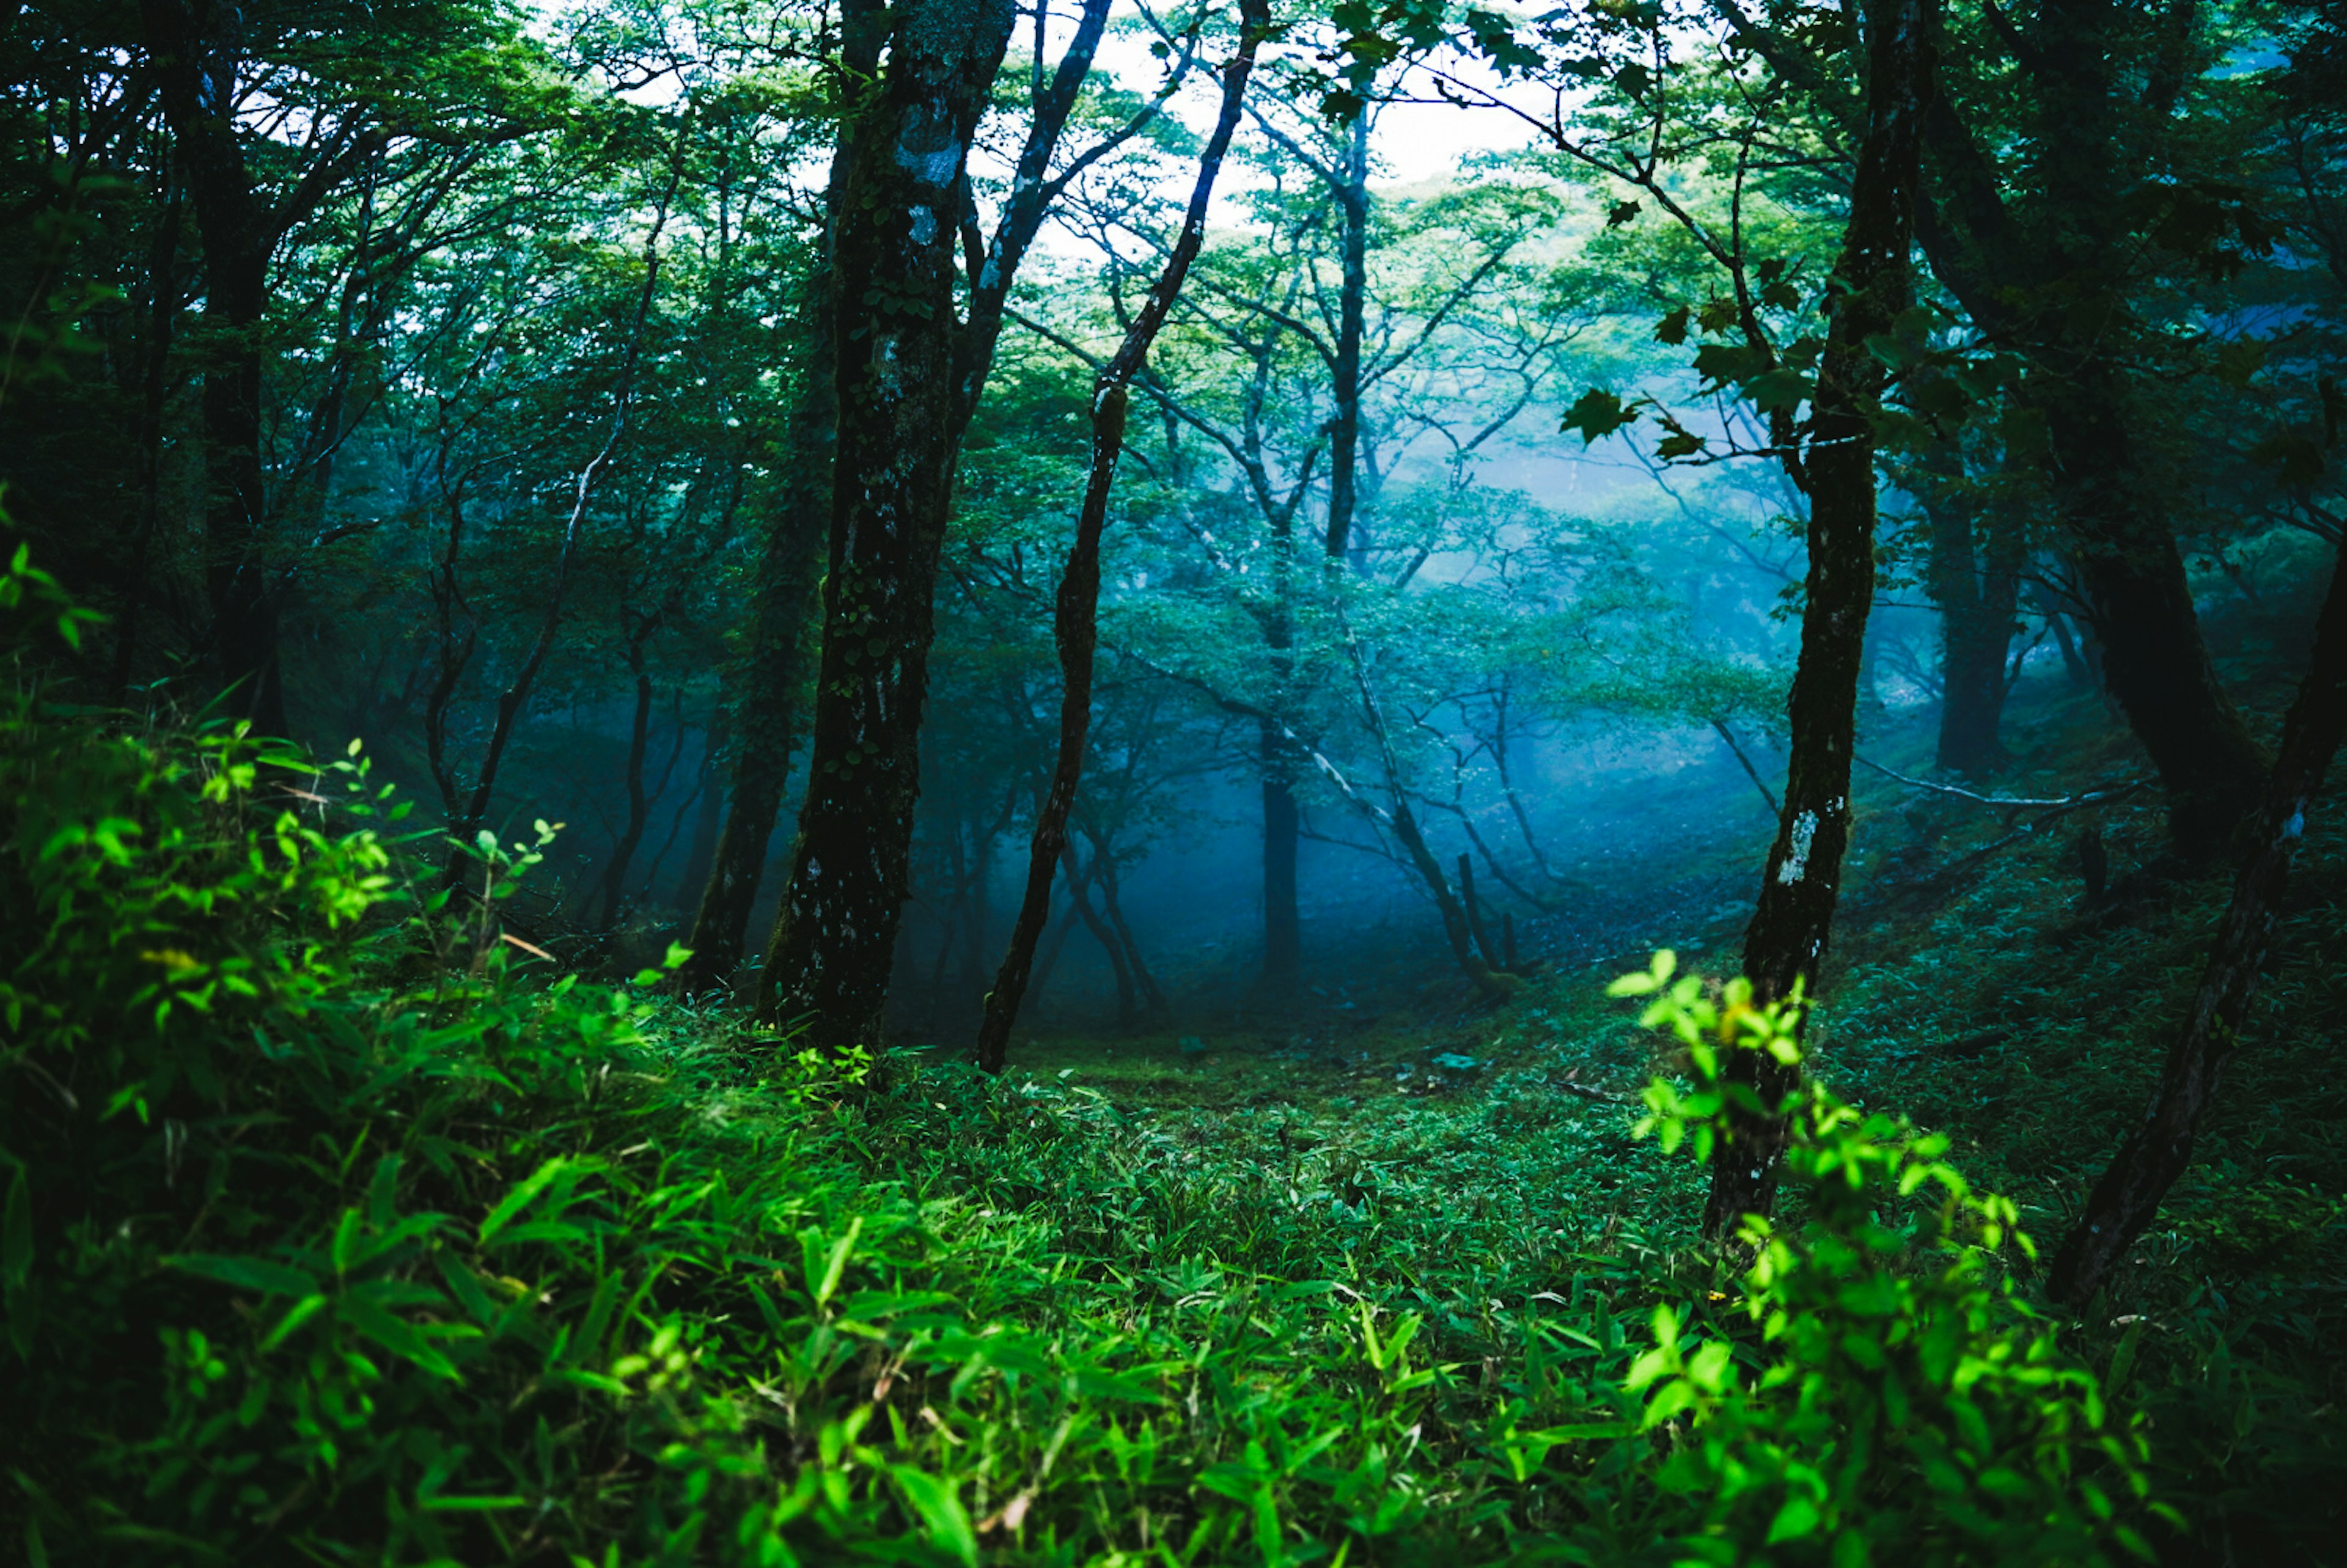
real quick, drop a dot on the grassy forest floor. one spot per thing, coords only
(1987, 995)
(338, 1230)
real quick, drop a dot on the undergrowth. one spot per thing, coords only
(338, 1230)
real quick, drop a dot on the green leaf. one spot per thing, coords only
(938, 1505)
(245, 1273)
(300, 1312)
(394, 1334)
(1598, 413)
(524, 1191)
(1722, 362)
(836, 1263)
(1797, 1519)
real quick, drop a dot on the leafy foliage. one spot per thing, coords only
(1906, 1396)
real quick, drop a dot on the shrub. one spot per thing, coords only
(1896, 1396)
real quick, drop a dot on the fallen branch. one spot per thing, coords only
(1957, 867)
(2090, 797)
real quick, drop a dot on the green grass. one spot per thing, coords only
(337, 1231)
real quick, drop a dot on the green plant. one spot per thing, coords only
(1895, 1394)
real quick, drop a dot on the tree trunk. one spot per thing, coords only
(1977, 598)
(1283, 835)
(2047, 294)
(1352, 304)
(640, 798)
(2154, 659)
(467, 824)
(1075, 610)
(2074, 662)
(1146, 983)
(1475, 922)
(155, 384)
(783, 597)
(1786, 943)
(198, 56)
(708, 814)
(2128, 1197)
(1050, 959)
(893, 334)
(1080, 899)
(1456, 926)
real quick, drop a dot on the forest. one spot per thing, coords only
(1173, 782)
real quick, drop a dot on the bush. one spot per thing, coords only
(1896, 1396)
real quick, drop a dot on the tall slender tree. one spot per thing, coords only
(1077, 604)
(1872, 286)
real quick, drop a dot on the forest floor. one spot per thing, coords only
(1975, 986)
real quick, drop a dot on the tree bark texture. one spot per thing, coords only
(198, 54)
(1870, 285)
(1075, 609)
(894, 334)
(2128, 1197)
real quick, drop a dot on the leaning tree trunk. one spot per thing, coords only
(1870, 286)
(2155, 661)
(2042, 291)
(894, 334)
(2128, 1195)
(1075, 610)
(2129, 566)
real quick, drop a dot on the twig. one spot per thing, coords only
(1750, 771)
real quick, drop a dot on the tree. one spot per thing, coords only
(1077, 603)
(234, 80)
(908, 371)
(1367, 328)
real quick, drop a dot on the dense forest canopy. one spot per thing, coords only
(794, 783)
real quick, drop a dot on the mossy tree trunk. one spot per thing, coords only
(894, 331)
(1871, 285)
